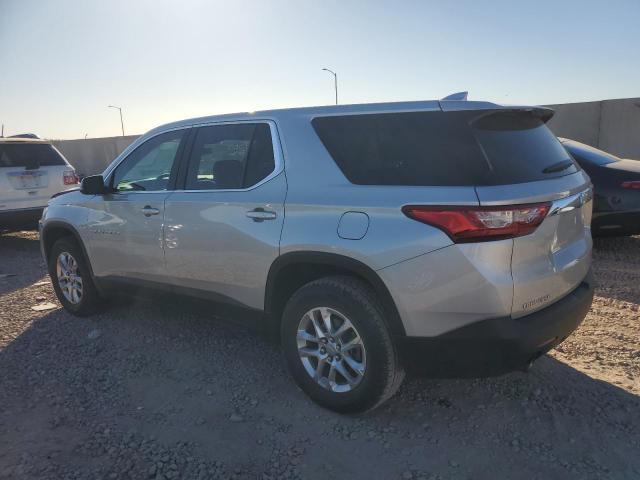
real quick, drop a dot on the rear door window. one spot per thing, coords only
(463, 148)
(29, 155)
(231, 156)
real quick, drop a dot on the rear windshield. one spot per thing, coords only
(463, 148)
(29, 155)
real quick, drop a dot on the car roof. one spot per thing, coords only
(23, 140)
(354, 109)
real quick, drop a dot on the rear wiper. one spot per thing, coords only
(558, 167)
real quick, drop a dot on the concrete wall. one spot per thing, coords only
(610, 125)
(91, 156)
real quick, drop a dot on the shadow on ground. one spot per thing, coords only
(20, 260)
(163, 387)
(617, 267)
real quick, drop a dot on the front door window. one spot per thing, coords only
(150, 166)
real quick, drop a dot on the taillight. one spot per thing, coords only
(480, 224)
(633, 184)
(70, 178)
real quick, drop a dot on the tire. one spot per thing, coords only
(89, 302)
(342, 298)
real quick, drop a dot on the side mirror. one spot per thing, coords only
(93, 185)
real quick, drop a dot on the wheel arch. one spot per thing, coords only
(295, 269)
(54, 230)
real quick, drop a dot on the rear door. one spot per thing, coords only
(531, 166)
(30, 173)
(223, 228)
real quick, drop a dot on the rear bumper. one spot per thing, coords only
(499, 345)
(20, 217)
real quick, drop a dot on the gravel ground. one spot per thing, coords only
(165, 391)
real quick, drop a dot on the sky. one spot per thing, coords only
(62, 62)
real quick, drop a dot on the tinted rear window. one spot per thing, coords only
(29, 155)
(230, 156)
(444, 148)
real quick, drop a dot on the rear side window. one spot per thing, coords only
(29, 155)
(230, 156)
(463, 148)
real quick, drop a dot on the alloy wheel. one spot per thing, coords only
(331, 349)
(69, 278)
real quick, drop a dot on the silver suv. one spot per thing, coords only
(449, 238)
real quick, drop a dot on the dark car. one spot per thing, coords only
(616, 209)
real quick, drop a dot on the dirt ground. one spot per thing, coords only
(150, 390)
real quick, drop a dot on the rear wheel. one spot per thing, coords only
(71, 278)
(337, 345)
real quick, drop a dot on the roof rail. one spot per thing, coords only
(456, 96)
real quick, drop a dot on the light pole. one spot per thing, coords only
(335, 81)
(121, 122)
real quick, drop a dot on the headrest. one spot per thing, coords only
(227, 174)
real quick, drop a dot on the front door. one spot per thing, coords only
(223, 229)
(126, 226)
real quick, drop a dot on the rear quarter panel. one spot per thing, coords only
(452, 287)
(319, 194)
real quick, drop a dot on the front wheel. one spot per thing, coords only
(337, 345)
(71, 278)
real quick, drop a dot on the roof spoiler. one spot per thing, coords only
(456, 96)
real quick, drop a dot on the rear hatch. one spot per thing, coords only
(531, 167)
(30, 173)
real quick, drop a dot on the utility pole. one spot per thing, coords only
(335, 81)
(2, 134)
(121, 122)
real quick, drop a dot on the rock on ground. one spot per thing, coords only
(164, 390)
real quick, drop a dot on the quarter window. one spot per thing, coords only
(230, 157)
(149, 167)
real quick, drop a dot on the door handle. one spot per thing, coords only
(260, 214)
(148, 211)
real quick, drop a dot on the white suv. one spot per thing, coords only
(31, 172)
